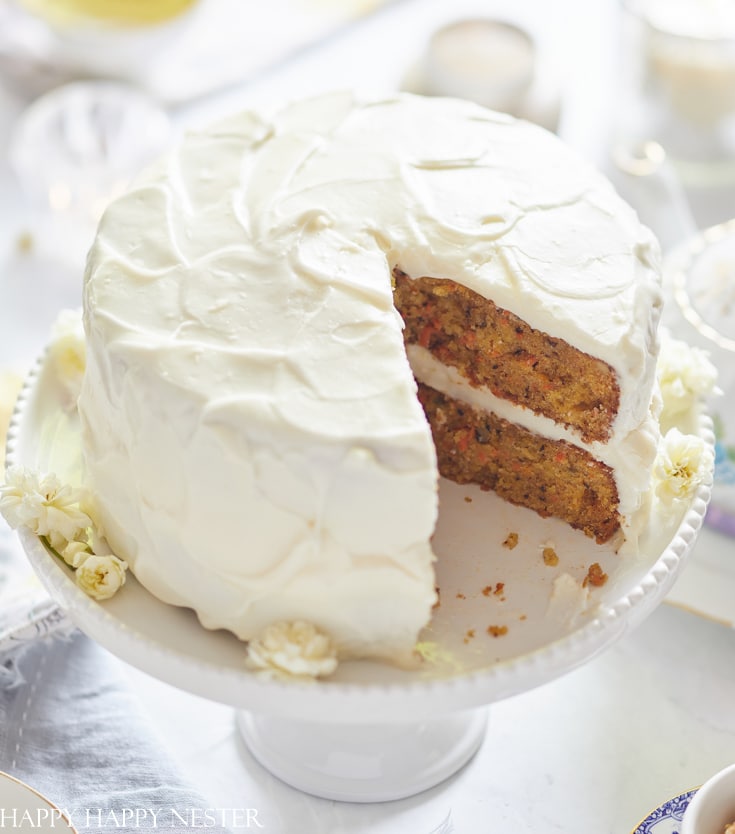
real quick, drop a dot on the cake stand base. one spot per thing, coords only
(364, 762)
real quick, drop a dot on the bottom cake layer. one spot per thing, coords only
(552, 477)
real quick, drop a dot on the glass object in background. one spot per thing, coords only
(494, 63)
(699, 280)
(207, 46)
(648, 181)
(678, 84)
(76, 148)
(112, 12)
(487, 61)
(107, 37)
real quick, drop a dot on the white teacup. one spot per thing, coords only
(713, 805)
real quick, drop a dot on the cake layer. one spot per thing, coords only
(552, 477)
(497, 349)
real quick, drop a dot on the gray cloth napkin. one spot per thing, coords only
(27, 613)
(71, 727)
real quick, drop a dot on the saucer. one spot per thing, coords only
(25, 809)
(666, 819)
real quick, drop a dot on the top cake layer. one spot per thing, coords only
(250, 422)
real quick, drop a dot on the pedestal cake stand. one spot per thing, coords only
(507, 621)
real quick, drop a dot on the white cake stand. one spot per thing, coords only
(373, 732)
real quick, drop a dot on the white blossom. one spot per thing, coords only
(52, 510)
(684, 374)
(292, 650)
(101, 576)
(42, 504)
(683, 463)
(75, 553)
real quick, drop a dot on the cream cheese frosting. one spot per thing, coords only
(249, 416)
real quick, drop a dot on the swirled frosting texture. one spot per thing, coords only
(250, 424)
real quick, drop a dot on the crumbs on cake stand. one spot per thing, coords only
(511, 541)
(550, 556)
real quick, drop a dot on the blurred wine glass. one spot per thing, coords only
(77, 147)
(87, 131)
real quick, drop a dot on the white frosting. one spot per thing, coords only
(250, 424)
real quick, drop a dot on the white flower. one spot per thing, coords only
(75, 553)
(42, 504)
(297, 649)
(684, 462)
(51, 509)
(101, 576)
(68, 351)
(684, 374)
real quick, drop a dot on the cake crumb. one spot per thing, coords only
(438, 598)
(496, 591)
(550, 557)
(523, 617)
(469, 635)
(596, 576)
(511, 541)
(467, 499)
(460, 595)
(497, 631)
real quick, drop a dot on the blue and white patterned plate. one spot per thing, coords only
(666, 819)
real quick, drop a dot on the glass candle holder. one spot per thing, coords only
(487, 61)
(76, 148)
(678, 83)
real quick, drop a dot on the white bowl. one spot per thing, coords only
(713, 806)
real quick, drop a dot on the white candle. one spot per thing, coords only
(487, 61)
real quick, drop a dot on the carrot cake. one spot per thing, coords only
(298, 319)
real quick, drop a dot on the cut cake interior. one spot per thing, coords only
(495, 349)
